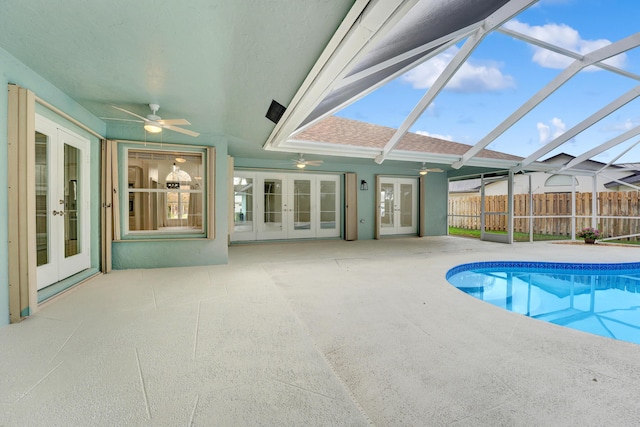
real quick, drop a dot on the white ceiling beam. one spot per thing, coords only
(578, 65)
(565, 52)
(615, 159)
(438, 46)
(365, 24)
(448, 41)
(602, 148)
(626, 184)
(442, 80)
(586, 123)
(496, 19)
(372, 88)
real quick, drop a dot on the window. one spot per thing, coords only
(166, 192)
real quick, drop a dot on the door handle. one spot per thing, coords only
(61, 213)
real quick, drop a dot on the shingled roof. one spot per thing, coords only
(338, 130)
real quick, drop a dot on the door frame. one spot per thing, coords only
(416, 204)
(63, 267)
(287, 182)
(21, 115)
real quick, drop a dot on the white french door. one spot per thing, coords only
(62, 203)
(398, 206)
(269, 206)
(272, 207)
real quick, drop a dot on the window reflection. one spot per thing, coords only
(166, 191)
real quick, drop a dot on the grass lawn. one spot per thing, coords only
(518, 237)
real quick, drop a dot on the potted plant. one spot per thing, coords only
(589, 234)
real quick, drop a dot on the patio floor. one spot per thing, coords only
(314, 333)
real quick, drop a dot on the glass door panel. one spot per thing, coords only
(406, 205)
(387, 207)
(285, 206)
(329, 207)
(272, 208)
(398, 206)
(70, 202)
(42, 199)
(243, 204)
(301, 204)
(301, 207)
(62, 203)
(272, 205)
(328, 202)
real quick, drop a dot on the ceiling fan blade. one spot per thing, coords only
(129, 112)
(121, 120)
(434, 170)
(180, 130)
(314, 162)
(174, 122)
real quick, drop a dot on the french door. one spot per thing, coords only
(62, 203)
(270, 206)
(398, 206)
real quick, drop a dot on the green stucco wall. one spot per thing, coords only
(436, 189)
(177, 253)
(13, 71)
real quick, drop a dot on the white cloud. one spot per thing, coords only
(623, 126)
(543, 133)
(435, 135)
(549, 132)
(563, 36)
(470, 78)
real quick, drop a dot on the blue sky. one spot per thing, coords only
(503, 73)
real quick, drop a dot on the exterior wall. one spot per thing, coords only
(180, 253)
(13, 71)
(169, 253)
(436, 204)
(125, 255)
(538, 180)
(435, 191)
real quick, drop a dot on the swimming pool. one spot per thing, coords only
(602, 299)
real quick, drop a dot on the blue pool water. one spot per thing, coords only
(602, 299)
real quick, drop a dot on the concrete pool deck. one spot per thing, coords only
(314, 333)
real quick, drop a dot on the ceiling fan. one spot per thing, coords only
(301, 163)
(154, 123)
(425, 170)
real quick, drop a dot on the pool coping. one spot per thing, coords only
(544, 266)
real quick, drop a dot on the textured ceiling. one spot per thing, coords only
(216, 63)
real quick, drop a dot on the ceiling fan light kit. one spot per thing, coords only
(425, 170)
(301, 163)
(152, 128)
(155, 124)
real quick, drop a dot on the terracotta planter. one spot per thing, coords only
(589, 241)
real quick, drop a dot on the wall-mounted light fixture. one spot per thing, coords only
(363, 185)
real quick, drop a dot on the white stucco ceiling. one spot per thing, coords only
(219, 63)
(216, 63)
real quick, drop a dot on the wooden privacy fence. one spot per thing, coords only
(618, 213)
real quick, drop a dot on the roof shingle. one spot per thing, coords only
(342, 131)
